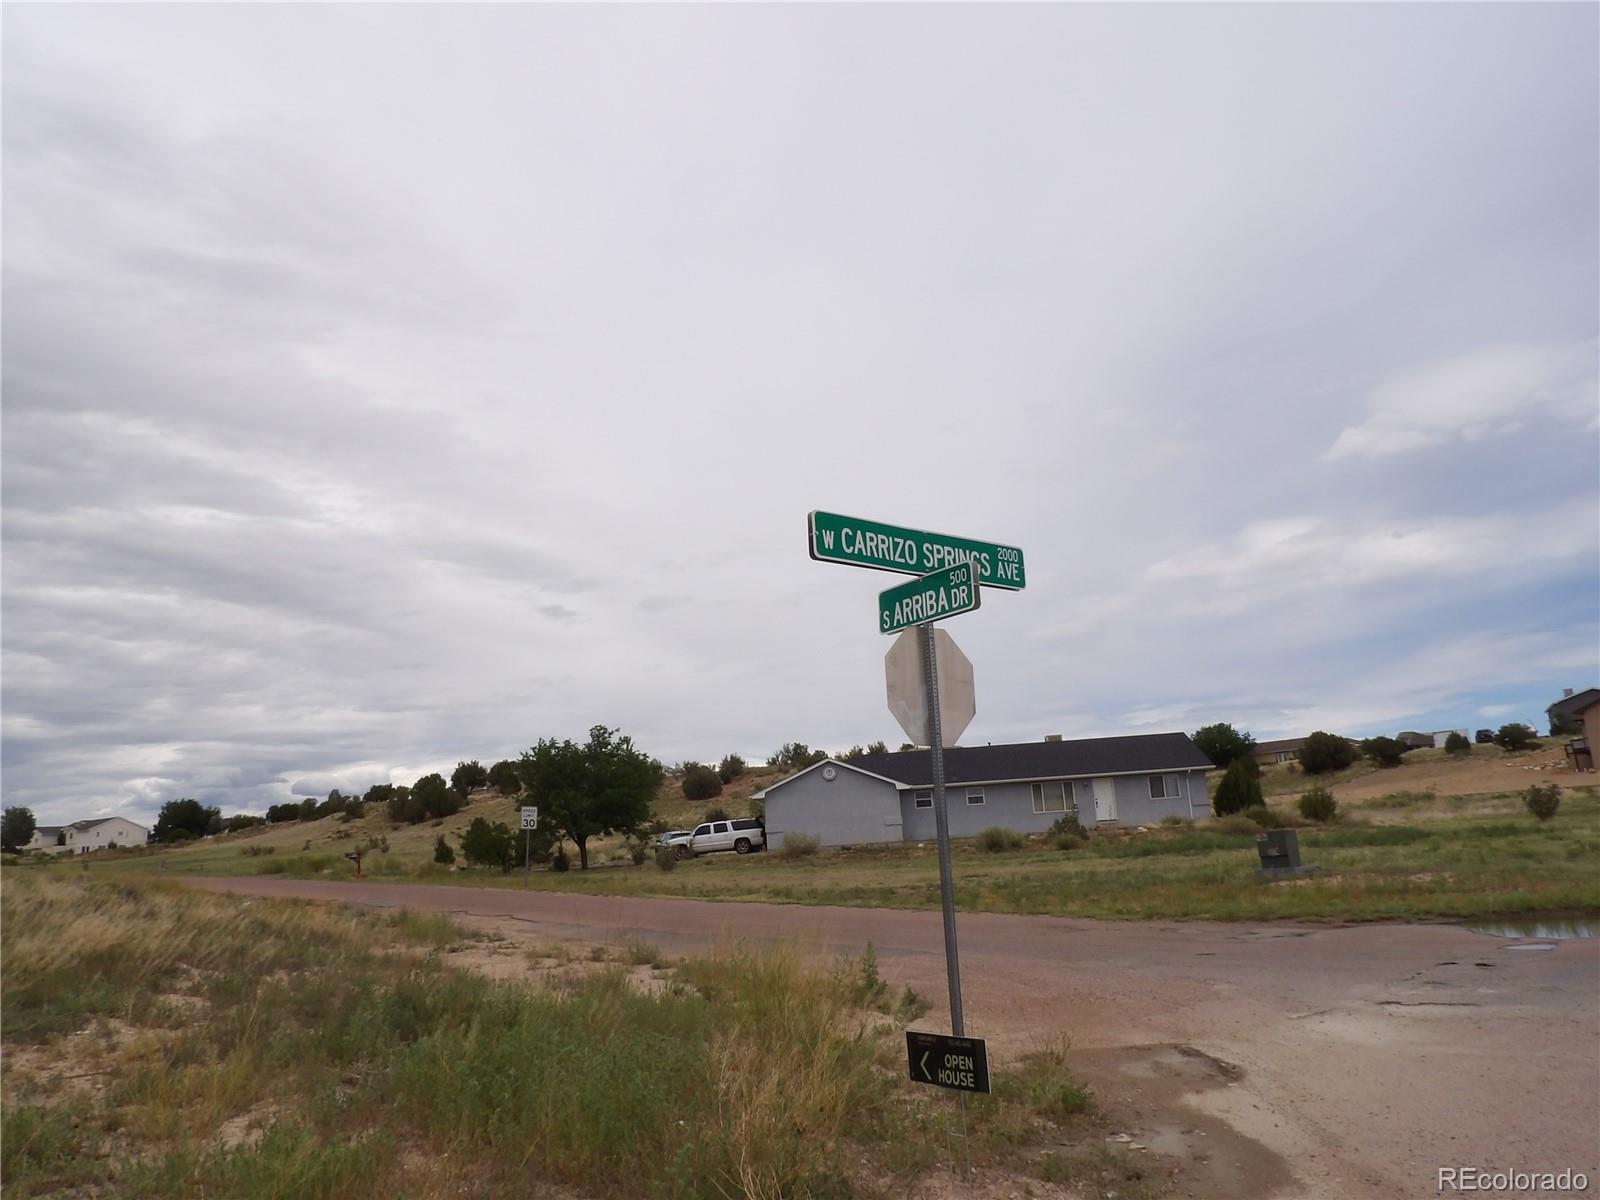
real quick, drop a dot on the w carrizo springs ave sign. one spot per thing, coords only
(934, 597)
(910, 551)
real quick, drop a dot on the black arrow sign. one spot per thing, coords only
(958, 1063)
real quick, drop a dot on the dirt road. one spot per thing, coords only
(1273, 1060)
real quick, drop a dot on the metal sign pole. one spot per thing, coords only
(526, 869)
(941, 821)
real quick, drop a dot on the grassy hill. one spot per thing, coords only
(393, 849)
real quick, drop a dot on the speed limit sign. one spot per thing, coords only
(530, 817)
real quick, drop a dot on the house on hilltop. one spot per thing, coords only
(80, 837)
(1566, 714)
(1284, 750)
(1026, 787)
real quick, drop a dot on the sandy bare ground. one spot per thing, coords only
(1268, 1060)
(1487, 770)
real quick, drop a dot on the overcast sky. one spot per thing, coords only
(386, 386)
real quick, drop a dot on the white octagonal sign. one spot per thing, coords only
(958, 703)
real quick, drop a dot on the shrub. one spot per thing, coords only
(997, 839)
(638, 850)
(1266, 818)
(1319, 805)
(665, 858)
(1222, 743)
(258, 851)
(404, 807)
(1384, 751)
(442, 852)
(1515, 736)
(1458, 743)
(799, 845)
(1239, 789)
(716, 814)
(469, 776)
(1543, 799)
(701, 783)
(1325, 752)
(560, 862)
(730, 768)
(1066, 833)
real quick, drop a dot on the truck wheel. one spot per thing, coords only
(742, 846)
(680, 852)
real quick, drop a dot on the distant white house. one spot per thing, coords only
(1443, 735)
(83, 836)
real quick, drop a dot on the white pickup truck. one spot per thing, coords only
(741, 836)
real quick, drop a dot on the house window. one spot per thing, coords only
(923, 800)
(974, 795)
(1163, 787)
(1049, 797)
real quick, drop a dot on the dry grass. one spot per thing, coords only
(251, 1048)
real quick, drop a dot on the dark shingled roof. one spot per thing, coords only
(1043, 760)
(1571, 706)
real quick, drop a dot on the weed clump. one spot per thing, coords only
(997, 840)
(666, 859)
(799, 845)
(1543, 799)
(1319, 805)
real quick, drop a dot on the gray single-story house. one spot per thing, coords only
(1132, 780)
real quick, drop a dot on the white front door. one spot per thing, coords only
(1105, 799)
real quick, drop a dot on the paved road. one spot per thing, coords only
(1340, 1061)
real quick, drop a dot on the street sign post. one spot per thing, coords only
(958, 1063)
(858, 543)
(937, 595)
(530, 822)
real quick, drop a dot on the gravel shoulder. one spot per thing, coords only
(1275, 1060)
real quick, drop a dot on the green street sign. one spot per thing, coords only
(859, 543)
(934, 597)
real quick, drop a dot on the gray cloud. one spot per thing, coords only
(357, 427)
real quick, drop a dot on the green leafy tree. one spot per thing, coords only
(1222, 743)
(278, 813)
(877, 748)
(180, 820)
(503, 778)
(16, 827)
(242, 821)
(796, 756)
(1238, 790)
(904, 746)
(601, 787)
(701, 783)
(469, 775)
(853, 753)
(1385, 751)
(1458, 743)
(730, 768)
(378, 793)
(434, 798)
(308, 809)
(1324, 752)
(1515, 736)
(487, 845)
(405, 806)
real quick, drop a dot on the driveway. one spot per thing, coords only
(1270, 1059)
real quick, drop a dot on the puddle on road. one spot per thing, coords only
(1542, 928)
